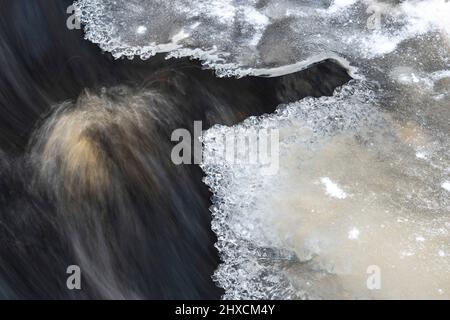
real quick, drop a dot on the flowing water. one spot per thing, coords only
(363, 178)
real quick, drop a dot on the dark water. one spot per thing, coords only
(85, 170)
